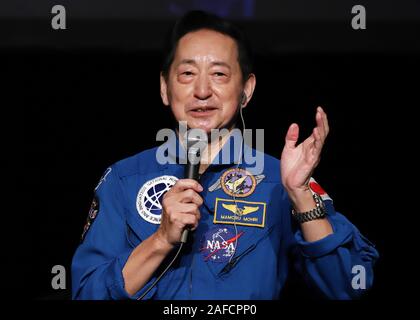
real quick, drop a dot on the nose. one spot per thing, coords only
(202, 89)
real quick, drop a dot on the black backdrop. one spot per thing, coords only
(84, 107)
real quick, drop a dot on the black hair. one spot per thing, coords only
(197, 20)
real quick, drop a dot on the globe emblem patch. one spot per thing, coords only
(149, 198)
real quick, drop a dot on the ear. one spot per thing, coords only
(249, 88)
(164, 90)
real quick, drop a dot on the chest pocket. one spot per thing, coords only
(249, 244)
(132, 238)
(137, 230)
(260, 213)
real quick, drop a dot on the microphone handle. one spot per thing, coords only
(184, 236)
(191, 172)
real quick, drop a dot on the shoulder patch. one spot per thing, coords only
(93, 212)
(316, 188)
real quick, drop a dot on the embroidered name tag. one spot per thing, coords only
(245, 213)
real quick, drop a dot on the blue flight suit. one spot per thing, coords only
(220, 261)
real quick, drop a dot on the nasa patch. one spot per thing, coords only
(219, 244)
(149, 197)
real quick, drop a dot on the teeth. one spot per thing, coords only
(202, 109)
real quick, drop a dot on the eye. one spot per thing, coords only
(219, 74)
(186, 76)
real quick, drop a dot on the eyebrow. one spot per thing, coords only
(214, 63)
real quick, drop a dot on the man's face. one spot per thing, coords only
(204, 84)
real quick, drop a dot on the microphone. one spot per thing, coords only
(193, 165)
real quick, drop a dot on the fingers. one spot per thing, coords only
(322, 123)
(292, 136)
(186, 191)
(188, 220)
(322, 127)
(181, 208)
(190, 209)
(184, 214)
(190, 196)
(184, 184)
(324, 120)
(318, 142)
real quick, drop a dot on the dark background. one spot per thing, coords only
(88, 96)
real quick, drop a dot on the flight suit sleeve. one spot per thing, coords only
(98, 261)
(339, 265)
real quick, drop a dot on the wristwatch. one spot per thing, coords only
(318, 212)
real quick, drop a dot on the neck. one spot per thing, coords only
(211, 150)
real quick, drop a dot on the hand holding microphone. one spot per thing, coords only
(180, 209)
(180, 205)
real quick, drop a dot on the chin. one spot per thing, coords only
(203, 125)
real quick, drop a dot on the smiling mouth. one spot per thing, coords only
(201, 112)
(203, 109)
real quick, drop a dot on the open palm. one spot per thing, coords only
(298, 162)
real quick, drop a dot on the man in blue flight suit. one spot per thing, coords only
(247, 227)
